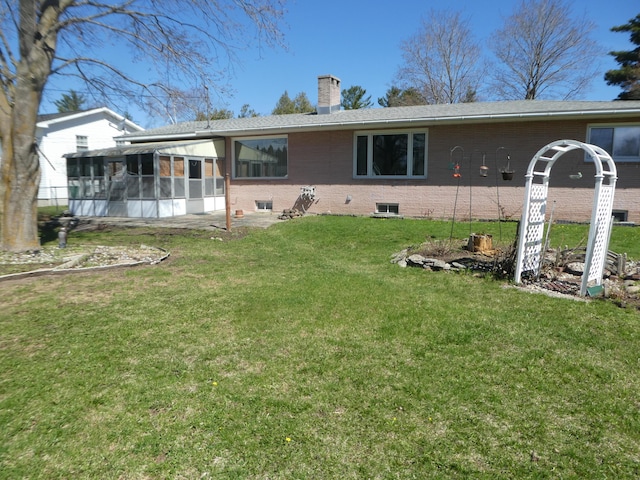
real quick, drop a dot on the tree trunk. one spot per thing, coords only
(20, 173)
(21, 168)
(21, 178)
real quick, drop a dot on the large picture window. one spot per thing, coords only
(390, 154)
(622, 142)
(264, 157)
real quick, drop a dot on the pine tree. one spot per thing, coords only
(70, 102)
(628, 75)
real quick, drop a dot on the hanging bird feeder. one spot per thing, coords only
(484, 170)
(456, 171)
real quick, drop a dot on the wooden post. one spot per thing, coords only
(227, 199)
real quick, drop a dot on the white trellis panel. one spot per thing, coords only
(534, 231)
(600, 230)
(531, 232)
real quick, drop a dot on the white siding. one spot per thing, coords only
(59, 137)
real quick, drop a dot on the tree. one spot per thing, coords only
(70, 102)
(246, 111)
(286, 106)
(397, 97)
(628, 75)
(215, 114)
(544, 50)
(184, 39)
(353, 98)
(442, 60)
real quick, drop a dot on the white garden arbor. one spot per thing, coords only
(530, 244)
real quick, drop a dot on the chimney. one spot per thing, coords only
(328, 94)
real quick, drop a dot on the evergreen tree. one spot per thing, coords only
(353, 98)
(628, 75)
(70, 102)
(286, 106)
(215, 114)
(246, 111)
(397, 97)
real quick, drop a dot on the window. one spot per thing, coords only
(622, 142)
(390, 154)
(620, 215)
(264, 205)
(264, 157)
(85, 177)
(387, 208)
(82, 143)
(164, 163)
(140, 178)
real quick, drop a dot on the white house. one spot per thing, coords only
(61, 133)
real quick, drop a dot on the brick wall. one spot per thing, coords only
(325, 160)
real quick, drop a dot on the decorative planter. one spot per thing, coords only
(239, 214)
(507, 174)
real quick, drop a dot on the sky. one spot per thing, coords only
(358, 41)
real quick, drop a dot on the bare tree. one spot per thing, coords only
(442, 61)
(544, 50)
(186, 39)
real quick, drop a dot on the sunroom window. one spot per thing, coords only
(390, 154)
(263, 157)
(622, 142)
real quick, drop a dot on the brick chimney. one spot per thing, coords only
(328, 94)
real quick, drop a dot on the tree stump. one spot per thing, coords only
(480, 243)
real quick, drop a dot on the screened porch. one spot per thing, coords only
(147, 181)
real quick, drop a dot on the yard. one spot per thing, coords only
(300, 351)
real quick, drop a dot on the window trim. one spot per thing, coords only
(267, 205)
(256, 137)
(371, 133)
(390, 208)
(82, 143)
(614, 126)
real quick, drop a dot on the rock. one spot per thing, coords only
(632, 290)
(575, 268)
(416, 259)
(436, 264)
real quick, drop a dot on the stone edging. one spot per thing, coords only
(67, 267)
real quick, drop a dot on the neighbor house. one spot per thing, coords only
(60, 133)
(421, 161)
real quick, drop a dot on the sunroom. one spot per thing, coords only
(147, 180)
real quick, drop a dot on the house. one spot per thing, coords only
(60, 133)
(421, 161)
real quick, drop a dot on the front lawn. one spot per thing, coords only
(300, 351)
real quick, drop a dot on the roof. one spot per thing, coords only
(422, 115)
(48, 119)
(184, 148)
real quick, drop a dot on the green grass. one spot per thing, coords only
(300, 351)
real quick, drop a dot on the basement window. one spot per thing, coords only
(387, 208)
(264, 205)
(620, 215)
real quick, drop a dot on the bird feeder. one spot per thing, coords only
(484, 170)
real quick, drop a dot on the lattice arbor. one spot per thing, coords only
(530, 244)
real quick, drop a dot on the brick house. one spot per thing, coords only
(420, 161)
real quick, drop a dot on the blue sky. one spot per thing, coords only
(359, 42)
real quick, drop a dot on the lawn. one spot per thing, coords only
(300, 351)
